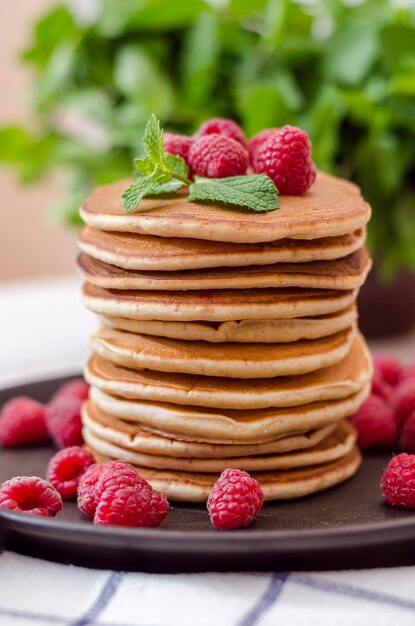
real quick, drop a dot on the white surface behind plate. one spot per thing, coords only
(44, 329)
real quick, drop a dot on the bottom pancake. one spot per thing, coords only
(276, 485)
(334, 446)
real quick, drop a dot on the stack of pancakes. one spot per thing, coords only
(228, 338)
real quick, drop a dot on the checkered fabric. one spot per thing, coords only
(33, 592)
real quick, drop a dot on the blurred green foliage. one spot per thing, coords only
(343, 70)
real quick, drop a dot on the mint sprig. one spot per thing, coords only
(160, 172)
(255, 191)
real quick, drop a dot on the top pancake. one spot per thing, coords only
(332, 207)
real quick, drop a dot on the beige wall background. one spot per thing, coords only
(28, 246)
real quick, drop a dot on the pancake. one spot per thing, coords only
(337, 381)
(146, 441)
(332, 207)
(247, 426)
(220, 305)
(244, 331)
(148, 253)
(347, 273)
(336, 445)
(276, 485)
(233, 360)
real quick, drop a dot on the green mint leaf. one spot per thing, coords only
(177, 165)
(145, 166)
(169, 187)
(153, 140)
(141, 187)
(136, 192)
(256, 191)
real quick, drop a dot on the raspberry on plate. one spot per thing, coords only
(121, 506)
(118, 480)
(216, 156)
(157, 508)
(257, 140)
(222, 126)
(86, 489)
(407, 437)
(380, 387)
(407, 374)
(403, 401)
(63, 421)
(286, 158)
(177, 144)
(30, 494)
(76, 388)
(375, 424)
(66, 468)
(22, 422)
(235, 500)
(92, 482)
(123, 472)
(388, 367)
(398, 481)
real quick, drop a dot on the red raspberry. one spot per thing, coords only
(125, 500)
(177, 144)
(98, 477)
(88, 494)
(22, 422)
(407, 438)
(380, 387)
(222, 126)
(63, 421)
(388, 367)
(286, 158)
(407, 374)
(157, 508)
(257, 140)
(91, 486)
(66, 468)
(235, 500)
(30, 494)
(398, 481)
(375, 424)
(216, 156)
(403, 401)
(123, 472)
(76, 388)
(86, 489)
(121, 506)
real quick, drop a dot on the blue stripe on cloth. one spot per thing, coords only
(351, 591)
(104, 598)
(268, 598)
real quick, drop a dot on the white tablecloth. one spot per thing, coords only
(44, 331)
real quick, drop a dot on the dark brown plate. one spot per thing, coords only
(344, 527)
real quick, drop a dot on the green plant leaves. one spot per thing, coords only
(139, 78)
(50, 31)
(351, 54)
(120, 16)
(200, 58)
